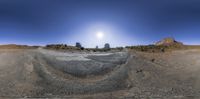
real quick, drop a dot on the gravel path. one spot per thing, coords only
(36, 73)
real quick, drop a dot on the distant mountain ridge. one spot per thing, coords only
(15, 46)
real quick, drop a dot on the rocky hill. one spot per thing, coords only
(168, 42)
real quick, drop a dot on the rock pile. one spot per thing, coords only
(60, 46)
(168, 42)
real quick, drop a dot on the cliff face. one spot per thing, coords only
(168, 42)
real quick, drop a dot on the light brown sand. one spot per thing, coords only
(172, 75)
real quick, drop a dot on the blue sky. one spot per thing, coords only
(123, 22)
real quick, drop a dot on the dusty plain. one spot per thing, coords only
(128, 74)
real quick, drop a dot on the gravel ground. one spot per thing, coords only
(124, 75)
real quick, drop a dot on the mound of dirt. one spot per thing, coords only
(61, 47)
(168, 42)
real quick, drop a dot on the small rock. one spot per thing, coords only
(138, 71)
(153, 60)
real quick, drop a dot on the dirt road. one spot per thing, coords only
(44, 73)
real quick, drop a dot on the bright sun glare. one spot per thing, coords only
(100, 35)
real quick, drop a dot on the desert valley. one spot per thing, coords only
(166, 70)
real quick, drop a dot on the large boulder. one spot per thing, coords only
(168, 42)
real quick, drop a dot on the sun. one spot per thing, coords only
(100, 35)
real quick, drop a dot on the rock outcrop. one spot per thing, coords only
(168, 42)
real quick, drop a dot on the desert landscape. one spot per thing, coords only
(129, 73)
(99, 49)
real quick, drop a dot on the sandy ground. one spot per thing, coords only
(125, 75)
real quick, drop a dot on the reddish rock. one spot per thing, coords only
(168, 42)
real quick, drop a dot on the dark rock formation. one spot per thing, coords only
(107, 46)
(61, 46)
(78, 45)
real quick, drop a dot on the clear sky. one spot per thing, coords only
(122, 22)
